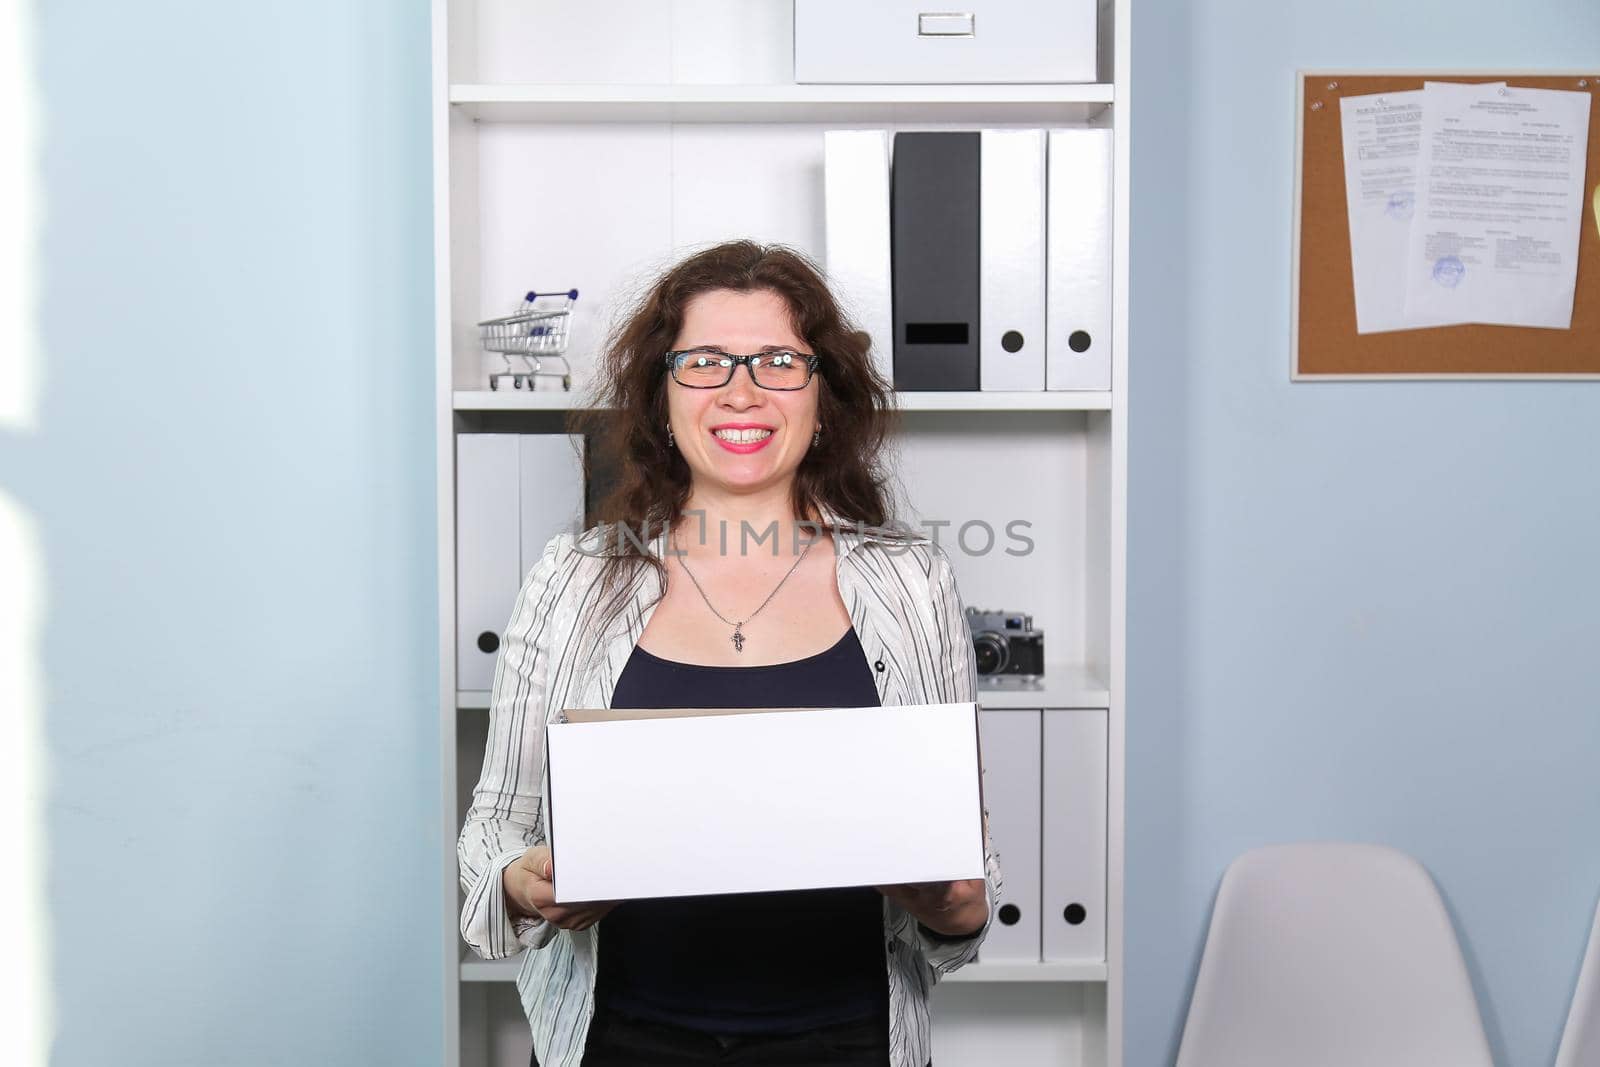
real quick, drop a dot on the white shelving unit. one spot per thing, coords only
(589, 146)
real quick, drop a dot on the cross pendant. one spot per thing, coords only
(738, 639)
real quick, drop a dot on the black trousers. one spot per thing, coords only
(619, 1041)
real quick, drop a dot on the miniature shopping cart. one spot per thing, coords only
(538, 332)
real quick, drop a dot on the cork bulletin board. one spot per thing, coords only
(1325, 343)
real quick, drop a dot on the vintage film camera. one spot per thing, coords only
(1007, 644)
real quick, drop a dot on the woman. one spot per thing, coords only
(747, 562)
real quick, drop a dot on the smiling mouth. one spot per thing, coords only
(741, 437)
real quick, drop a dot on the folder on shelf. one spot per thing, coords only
(1074, 861)
(1078, 353)
(513, 493)
(1010, 741)
(551, 481)
(1012, 260)
(935, 182)
(856, 198)
(488, 552)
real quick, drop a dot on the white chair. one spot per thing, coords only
(1331, 955)
(1580, 1044)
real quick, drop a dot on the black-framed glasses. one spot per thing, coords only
(712, 368)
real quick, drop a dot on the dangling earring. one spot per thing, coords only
(816, 435)
(670, 442)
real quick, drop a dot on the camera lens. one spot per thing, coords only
(993, 651)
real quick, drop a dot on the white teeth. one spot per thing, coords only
(742, 437)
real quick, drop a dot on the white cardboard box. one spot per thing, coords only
(687, 802)
(902, 41)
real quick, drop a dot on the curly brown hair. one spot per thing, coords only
(626, 413)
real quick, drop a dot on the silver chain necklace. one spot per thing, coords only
(738, 634)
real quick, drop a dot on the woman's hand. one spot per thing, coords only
(529, 891)
(954, 909)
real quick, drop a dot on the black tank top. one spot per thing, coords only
(748, 962)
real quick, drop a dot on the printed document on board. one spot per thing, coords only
(1382, 133)
(1499, 203)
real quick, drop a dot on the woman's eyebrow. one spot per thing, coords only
(724, 351)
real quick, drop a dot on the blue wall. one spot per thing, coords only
(233, 485)
(1357, 611)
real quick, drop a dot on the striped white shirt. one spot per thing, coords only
(558, 653)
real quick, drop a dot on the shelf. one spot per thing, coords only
(1039, 400)
(475, 970)
(1076, 971)
(1065, 686)
(781, 103)
(515, 400)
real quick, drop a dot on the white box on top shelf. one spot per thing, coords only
(984, 41)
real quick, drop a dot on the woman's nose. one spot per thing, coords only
(742, 391)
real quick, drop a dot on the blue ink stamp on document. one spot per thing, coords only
(1448, 271)
(1401, 204)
